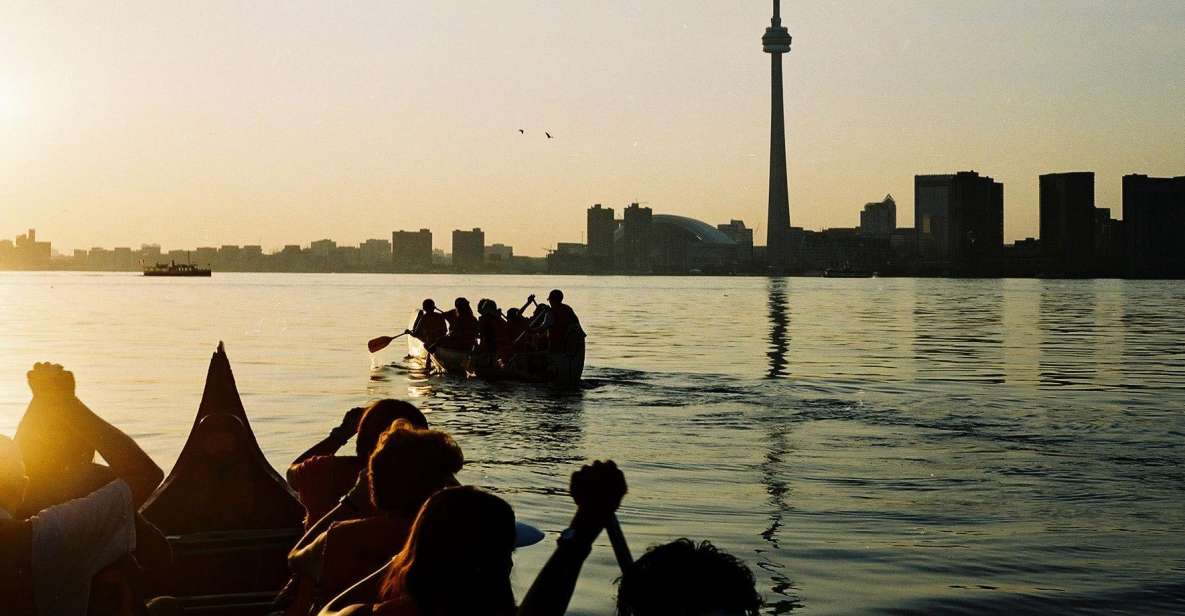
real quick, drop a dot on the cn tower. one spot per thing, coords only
(776, 42)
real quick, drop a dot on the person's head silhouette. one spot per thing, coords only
(684, 578)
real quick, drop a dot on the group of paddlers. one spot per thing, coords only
(389, 530)
(492, 335)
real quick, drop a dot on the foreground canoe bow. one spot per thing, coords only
(230, 518)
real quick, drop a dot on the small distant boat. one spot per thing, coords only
(848, 273)
(176, 269)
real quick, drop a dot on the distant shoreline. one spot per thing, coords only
(979, 276)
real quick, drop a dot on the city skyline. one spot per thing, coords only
(207, 128)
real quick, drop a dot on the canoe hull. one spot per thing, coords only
(562, 369)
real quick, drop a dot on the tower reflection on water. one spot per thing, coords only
(783, 597)
(779, 325)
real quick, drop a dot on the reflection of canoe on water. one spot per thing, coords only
(562, 369)
(229, 517)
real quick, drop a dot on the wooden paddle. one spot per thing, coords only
(377, 344)
(621, 550)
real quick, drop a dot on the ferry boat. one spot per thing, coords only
(176, 269)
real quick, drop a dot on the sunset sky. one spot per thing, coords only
(220, 122)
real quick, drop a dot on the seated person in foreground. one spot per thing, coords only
(48, 561)
(458, 559)
(336, 488)
(408, 466)
(321, 478)
(684, 578)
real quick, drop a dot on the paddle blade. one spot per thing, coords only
(378, 344)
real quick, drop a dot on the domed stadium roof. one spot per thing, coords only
(701, 230)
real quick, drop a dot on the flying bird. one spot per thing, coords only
(548, 135)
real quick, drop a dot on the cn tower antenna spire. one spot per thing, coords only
(776, 42)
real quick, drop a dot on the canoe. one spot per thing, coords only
(562, 369)
(229, 516)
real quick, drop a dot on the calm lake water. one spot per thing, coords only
(866, 445)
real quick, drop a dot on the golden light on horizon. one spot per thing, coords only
(352, 122)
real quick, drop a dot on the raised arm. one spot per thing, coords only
(597, 489)
(54, 387)
(359, 598)
(530, 300)
(334, 441)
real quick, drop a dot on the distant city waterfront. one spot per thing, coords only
(958, 231)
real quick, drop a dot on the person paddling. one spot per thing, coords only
(430, 324)
(462, 326)
(563, 322)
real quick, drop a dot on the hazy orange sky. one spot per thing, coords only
(222, 122)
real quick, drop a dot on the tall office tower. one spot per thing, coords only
(958, 217)
(469, 249)
(1154, 220)
(638, 237)
(879, 219)
(742, 235)
(600, 237)
(776, 42)
(411, 250)
(1068, 218)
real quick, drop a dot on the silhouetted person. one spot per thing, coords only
(462, 326)
(49, 561)
(408, 466)
(563, 324)
(493, 337)
(684, 578)
(321, 478)
(337, 488)
(430, 324)
(458, 558)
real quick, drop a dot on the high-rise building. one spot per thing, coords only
(776, 42)
(412, 250)
(742, 235)
(322, 249)
(637, 238)
(499, 253)
(1109, 244)
(1154, 222)
(374, 254)
(958, 217)
(469, 249)
(1068, 218)
(600, 236)
(26, 253)
(879, 219)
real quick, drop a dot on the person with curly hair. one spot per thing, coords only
(687, 579)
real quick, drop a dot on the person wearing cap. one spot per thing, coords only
(48, 560)
(430, 324)
(458, 557)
